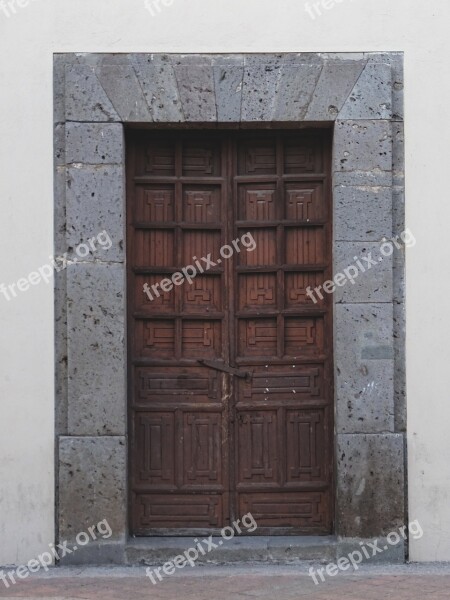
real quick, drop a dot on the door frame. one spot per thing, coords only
(360, 96)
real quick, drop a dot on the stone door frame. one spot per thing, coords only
(95, 97)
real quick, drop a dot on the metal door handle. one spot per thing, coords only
(225, 368)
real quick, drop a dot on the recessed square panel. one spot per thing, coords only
(257, 337)
(303, 336)
(257, 157)
(201, 158)
(261, 247)
(198, 244)
(155, 338)
(154, 204)
(152, 299)
(302, 155)
(257, 291)
(154, 248)
(296, 286)
(305, 202)
(201, 204)
(159, 158)
(203, 295)
(201, 339)
(257, 202)
(305, 246)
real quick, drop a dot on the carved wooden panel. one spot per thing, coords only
(207, 446)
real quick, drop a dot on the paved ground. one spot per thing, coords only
(243, 583)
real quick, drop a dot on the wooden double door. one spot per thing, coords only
(230, 373)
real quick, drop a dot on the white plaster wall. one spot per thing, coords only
(27, 40)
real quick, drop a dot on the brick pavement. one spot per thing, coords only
(242, 583)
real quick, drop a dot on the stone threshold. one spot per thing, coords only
(281, 550)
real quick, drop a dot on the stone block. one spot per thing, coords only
(370, 484)
(228, 86)
(96, 349)
(364, 368)
(158, 82)
(398, 153)
(59, 144)
(85, 99)
(259, 88)
(95, 143)
(395, 60)
(60, 308)
(362, 146)
(294, 90)
(122, 86)
(374, 178)
(374, 284)
(390, 552)
(335, 83)
(92, 487)
(362, 213)
(95, 199)
(195, 80)
(400, 408)
(371, 98)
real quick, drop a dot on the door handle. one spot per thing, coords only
(225, 368)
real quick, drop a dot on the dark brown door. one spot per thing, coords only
(230, 373)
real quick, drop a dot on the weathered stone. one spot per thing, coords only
(95, 199)
(340, 56)
(59, 216)
(362, 146)
(393, 550)
(85, 99)
(228, 85)
(374, 284)
(158, 82)
(96, 349)
(60, 306)
(59, 88)
(398, 210)
(364, 368)
(375, 178)
(395, 59)
(363, 158)
(59, 144)
(400, 412)
(196, 88)
(95, 143)
(92, 487)
(335, 83)
(240, 549)
(398, 153)
(362, 213)
(122, 87)
(294, 90)
(259, 88)
(370, 484)
(371, 98)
